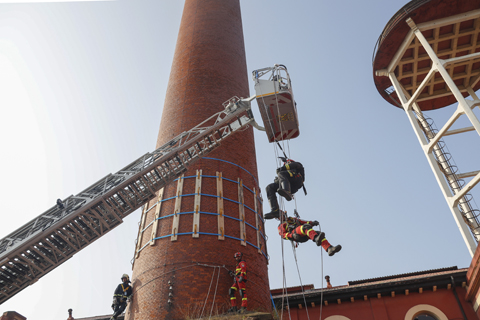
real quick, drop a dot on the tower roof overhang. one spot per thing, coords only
(452, 29)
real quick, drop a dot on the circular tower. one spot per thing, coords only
(190, 232)
(427, 58)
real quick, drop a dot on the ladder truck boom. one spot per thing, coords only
(53, 237)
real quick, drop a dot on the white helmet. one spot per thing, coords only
(125, 276)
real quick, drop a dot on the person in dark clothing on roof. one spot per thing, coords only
(121, 296)
(290, 177)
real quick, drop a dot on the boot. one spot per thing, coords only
(232, 309)
(272, 214)
(285, 190)
(242, 310)
(319, 237)
(275, 213)
(332, 250)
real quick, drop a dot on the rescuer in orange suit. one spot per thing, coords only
(240, 279)
(290, 177)
(299, 230)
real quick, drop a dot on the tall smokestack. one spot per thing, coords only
(173, 276)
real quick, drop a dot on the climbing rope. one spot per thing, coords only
(208, 293)
(301, 283)
(321, 294)
(215, 294)
(285, 145)
(284, 290)
(209, 289)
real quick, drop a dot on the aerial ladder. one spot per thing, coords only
(41, 245)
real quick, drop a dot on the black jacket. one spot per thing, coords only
(295, 169)
(123, 292)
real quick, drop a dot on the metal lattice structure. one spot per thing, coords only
(56, 235)
(437, 63)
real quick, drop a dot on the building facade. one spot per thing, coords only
(428, 295)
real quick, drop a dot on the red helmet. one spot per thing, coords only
(290, 220)
(238, 254)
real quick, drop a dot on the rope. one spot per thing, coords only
(301, 283)
(276, 148)
(136, 290)
(284, 289)
(208, 293)
(321, 294)
(215, 294)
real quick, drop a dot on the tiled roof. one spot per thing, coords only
(388, 283)
(403, 275)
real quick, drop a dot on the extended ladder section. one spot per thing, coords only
(57, 234)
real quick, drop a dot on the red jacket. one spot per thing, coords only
(241, 269)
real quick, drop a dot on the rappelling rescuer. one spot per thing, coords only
(290, 177)
(298, 230)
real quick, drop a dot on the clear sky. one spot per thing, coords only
(82, 85)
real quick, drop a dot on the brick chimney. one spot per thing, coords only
(172, 274)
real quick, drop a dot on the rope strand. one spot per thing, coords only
(301, 284)
(215, 294)
(208, 293)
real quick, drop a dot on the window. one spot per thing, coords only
(337, 318)
(425, 312)
(424, 316)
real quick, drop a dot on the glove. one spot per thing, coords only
(240, 279)
(231, 273)
(129, 299)
(314, 223)
(114, 303)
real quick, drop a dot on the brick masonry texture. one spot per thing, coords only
(209, 67)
